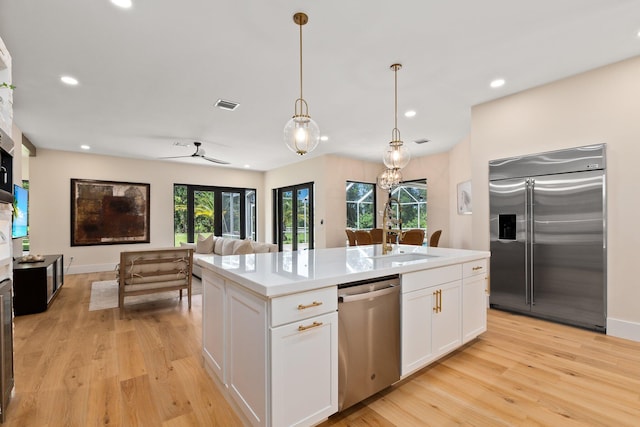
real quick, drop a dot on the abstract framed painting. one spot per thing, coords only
(109, 212)
(464, 198)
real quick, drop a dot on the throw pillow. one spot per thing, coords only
(204, 245)
(188, 245)
(260, 248)
(227, 246)
(217, 248)
(242, 247)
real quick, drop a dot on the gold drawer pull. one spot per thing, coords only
(313, 325)
(477, 268)
(313, 304)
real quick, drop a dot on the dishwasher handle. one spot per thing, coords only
(369, 294)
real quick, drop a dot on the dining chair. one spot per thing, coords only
(413, 237)
(435, 237)
(351, 235)
(363, 237)
(376, 235)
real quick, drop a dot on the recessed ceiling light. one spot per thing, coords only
(68, 80)
(125, 4)
(410, 113)
(497, 83)
(226, 105)
(85, 147)
(324, 138)
(247, 166)
(638, 34)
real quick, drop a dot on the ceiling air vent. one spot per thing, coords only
(422, 141)
(226, 105)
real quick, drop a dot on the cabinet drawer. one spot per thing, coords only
(474, 267)
(425, 278)
(290, 308)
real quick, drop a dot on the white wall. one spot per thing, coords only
(435, 169)
(50, 205)
(460, 226)
(600, 106)
(51, 172)
(330, 174)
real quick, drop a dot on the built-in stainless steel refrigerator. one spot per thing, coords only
(548, 235)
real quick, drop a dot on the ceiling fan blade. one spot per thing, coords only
(173, 157)
(220, 162)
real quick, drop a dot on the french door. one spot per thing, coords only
(294, 217)
(206, 210)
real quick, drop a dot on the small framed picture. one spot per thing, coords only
(464, 198)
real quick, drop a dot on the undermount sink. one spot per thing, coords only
(401, 257)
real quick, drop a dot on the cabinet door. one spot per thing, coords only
(474, 307)
(246, 356)
(304, 366)
(446, 326)
(417, 309)
(213, 323)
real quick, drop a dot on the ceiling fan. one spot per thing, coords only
(199, 153)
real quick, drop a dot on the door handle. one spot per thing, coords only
(438, 301)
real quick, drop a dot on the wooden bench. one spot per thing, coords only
(151, 271)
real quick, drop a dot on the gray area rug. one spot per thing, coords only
(104, 295)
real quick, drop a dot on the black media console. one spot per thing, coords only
(35, 284)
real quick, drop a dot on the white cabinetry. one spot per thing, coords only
(474, 299)
(431, 319)
(445, 328)
(246, 353)
(213, 321)
(278, 372)
(304, 368)
(304, 357)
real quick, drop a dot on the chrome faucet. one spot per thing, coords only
(388, 221)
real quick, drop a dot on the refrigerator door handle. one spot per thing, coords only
(532, 187)
(526, 241)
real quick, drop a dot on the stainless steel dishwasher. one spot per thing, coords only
(368, 338)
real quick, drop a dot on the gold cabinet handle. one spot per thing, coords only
(435, 308)
(479, 267)
(439, 300)
(313, 304)
(313, 325)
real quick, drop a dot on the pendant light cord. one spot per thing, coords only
(300, 25)
(395, 74)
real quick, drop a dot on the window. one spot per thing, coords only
(198, 209)
(293, 217)
(412, 196)
(361, 205)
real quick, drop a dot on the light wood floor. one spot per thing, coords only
(79, 368)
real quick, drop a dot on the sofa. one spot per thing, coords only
(214, 245)
(156, 270)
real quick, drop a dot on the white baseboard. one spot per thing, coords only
(88, 268)
(623, 329)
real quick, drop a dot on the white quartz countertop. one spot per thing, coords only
(281, 273)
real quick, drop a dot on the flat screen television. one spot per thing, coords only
(19, 226)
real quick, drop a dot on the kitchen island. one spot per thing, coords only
(270, 321)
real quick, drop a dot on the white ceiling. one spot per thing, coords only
(149, 75)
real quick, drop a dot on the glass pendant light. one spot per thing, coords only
(389, 179)
(301, 133)
(396, 156)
